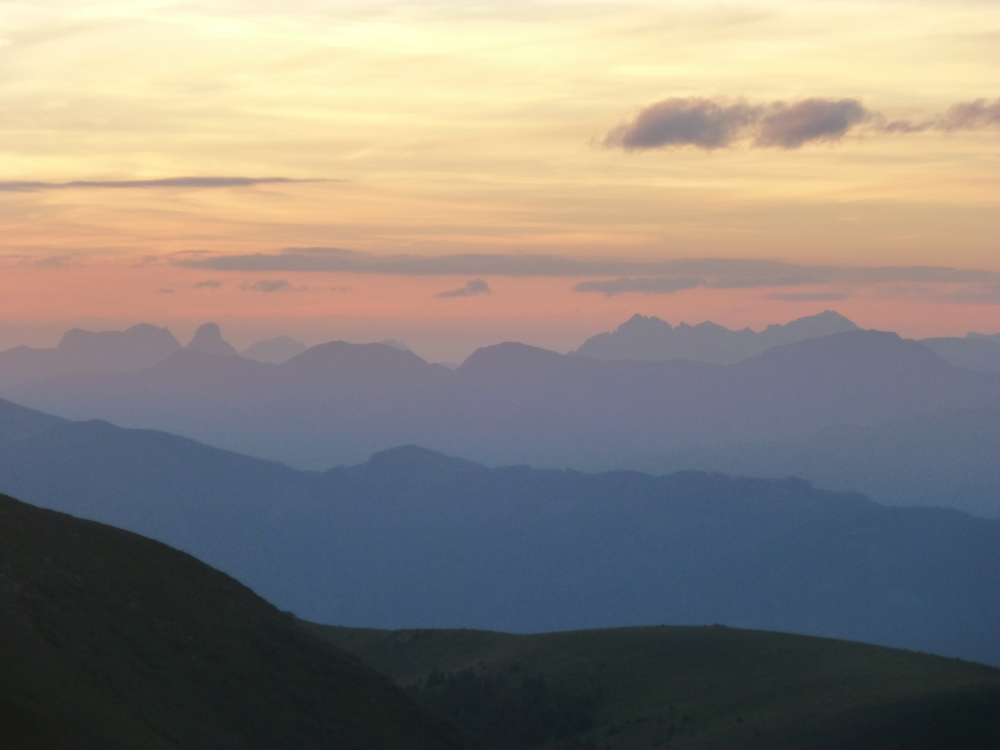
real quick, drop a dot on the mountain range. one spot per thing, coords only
(649, 339)
(337, 403)
(413, 538)
(131, 350)
(654, 340)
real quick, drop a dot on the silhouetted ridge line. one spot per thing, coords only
(338, 403)
(415, 538)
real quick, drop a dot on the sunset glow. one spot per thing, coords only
(435, 129)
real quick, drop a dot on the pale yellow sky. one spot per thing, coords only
(477, 127)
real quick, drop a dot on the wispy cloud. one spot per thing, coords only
(268, 285)
(721, 123)
(652, 276)
(472, 288)
(808, 296)
(24, 186)
(656, 285)
(211, 284)
(329, 259)
(981, 113)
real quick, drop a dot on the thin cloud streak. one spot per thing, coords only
(808, 296)
(711, 124)
(472, 288)
(268, 285)
(23, 186)
(666, 285)
(719, 273)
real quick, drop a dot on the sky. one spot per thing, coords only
(456, 173)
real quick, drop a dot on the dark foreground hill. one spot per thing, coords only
(511, 403)
(707, 687)
(109, 641)
(413, 538)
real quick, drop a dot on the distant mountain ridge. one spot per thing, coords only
(131, 350)
(945, 458)
(512, 403)
(973, 352)
(413, 538)
(275, 351)
(654, 340)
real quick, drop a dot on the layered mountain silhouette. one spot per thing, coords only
(972, 352)
(110, 641)
(277, 350)
(208, 340)
(131, 350)
(512, 403)
(946, 458)
(413, 538)
(654, 340)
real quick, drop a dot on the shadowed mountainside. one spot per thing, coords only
(511, 403)
(110, 641)
(412, 538)
(654, 340)
(639, 688)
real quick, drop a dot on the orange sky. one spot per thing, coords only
(450, 127)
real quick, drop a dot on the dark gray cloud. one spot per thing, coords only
(700, 122)
(471, 289)
(208, 285)
(268, 285)
(792, 125)
(721, 123)
(22, 186)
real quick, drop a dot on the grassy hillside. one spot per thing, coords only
(686, 687)
(109, 640)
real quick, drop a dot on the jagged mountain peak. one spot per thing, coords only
(208, 340)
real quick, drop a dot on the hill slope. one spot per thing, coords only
(412, 538)
(708, 687)
(109, 640)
